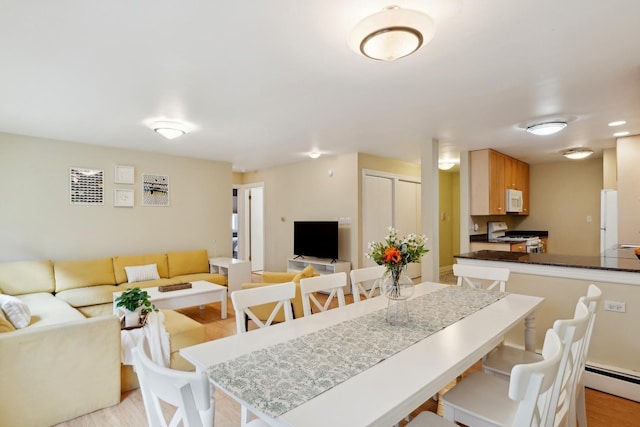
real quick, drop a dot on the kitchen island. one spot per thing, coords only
(613, 362)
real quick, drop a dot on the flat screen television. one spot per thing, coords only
(317, 239)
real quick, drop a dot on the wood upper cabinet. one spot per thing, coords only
(492, 173)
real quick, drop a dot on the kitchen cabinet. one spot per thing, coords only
(491, 246)
(492, 173)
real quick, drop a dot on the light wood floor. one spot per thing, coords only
(603, 410)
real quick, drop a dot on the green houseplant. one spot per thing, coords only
(135, 302)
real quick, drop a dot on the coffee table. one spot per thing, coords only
(200, 293)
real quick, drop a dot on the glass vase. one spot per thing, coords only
(397, 287)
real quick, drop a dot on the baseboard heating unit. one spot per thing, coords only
(617, 382)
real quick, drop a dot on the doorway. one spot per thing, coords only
(250, 235)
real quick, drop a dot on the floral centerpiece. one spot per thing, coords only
(637, 252)
(395, 252)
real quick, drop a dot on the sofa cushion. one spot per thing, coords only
(26, 277)
(218, 279)
(148, 284)
(49, 310)
(83, 273)
(120, 262)
(92, 295)
(15, 310)
(5, 325)
(140, 273)
(189, 262)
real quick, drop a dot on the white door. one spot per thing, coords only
(408, 212)
(251, 226)
(377, 211)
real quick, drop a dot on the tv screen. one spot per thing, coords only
(315, 239)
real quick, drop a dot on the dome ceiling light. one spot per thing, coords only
(314, 154)
(391, 33)
(445, 165)
(577, 153)
(169, 130)
(547, 128)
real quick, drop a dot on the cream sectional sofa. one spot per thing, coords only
(66, 362)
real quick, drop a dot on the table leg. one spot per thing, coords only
(223, 305)
(530, 332)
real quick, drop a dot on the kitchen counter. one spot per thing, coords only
(515, 233)
(618, 261)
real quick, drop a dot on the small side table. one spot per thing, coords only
(237, 271)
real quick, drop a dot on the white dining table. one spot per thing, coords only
(385, 393)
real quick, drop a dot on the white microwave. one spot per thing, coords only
(514, 201)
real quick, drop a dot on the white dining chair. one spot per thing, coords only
(333, 283)
(476, 277)
(484, 399)
(578, 410)
(361, 277)
(244, 299)
(188, 392)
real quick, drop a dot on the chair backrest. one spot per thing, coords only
(572, 332)
(474, 276)
(591, 301)
(530, 384)
(244, 299)
(334, 283)
(360, 278)
(189, 392)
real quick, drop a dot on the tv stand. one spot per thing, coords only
(321, 266)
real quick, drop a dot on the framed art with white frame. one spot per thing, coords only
(123, 198)
(123, 174)
(86, 186)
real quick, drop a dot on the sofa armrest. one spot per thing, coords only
(54, 373)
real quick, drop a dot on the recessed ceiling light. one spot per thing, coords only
(577, 153)
(314, 154)
(618, 123)
(445, 165)
(169, 130)
(625, 133)
(548, 128)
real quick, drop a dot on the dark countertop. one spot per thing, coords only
(613, 259)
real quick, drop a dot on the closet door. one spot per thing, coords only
(377, 211)
(408, 212)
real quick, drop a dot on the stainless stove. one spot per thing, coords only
(496, 232)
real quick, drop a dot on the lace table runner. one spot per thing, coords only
(279, 378)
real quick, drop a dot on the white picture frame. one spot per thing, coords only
(155, 190)
(86, 186)
(123, 198)
(124, 174)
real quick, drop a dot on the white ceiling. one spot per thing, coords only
(263, 82)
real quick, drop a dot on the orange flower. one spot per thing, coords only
(637, 251)
(391, 254)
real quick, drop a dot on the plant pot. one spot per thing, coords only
(131, 318)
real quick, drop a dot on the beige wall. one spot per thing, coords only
(38, 222)
(562, 195)
(628, 150)
(306, 191)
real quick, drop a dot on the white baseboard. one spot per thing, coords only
(613, 381)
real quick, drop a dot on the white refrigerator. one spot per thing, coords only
(608, 219)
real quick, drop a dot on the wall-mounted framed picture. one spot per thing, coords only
(155, 190)
(86, 186)
(123, 198)
(123, 174)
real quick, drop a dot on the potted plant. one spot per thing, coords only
(135, 303)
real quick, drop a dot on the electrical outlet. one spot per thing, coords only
(619, 307)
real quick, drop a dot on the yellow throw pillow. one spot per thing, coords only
(5, 325)
(308, 271)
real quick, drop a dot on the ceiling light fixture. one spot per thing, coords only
(314, 154)
(577, 153)
(391, 33)
(548, 128)
(618, 123)
(625, 133)
(169, 130)
(445, 165)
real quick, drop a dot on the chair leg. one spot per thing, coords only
(581, 409)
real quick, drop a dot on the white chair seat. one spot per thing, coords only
(429, 419)
(484, 397)
(502, 359)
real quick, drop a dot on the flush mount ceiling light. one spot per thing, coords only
(623, 133)
(391, 33)
(169, 130)
(617, 123)
(314, 154)
(577, 153)
(548, 128)
(445, 165)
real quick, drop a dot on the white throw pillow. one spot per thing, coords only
(141, 273)
(16, 311)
